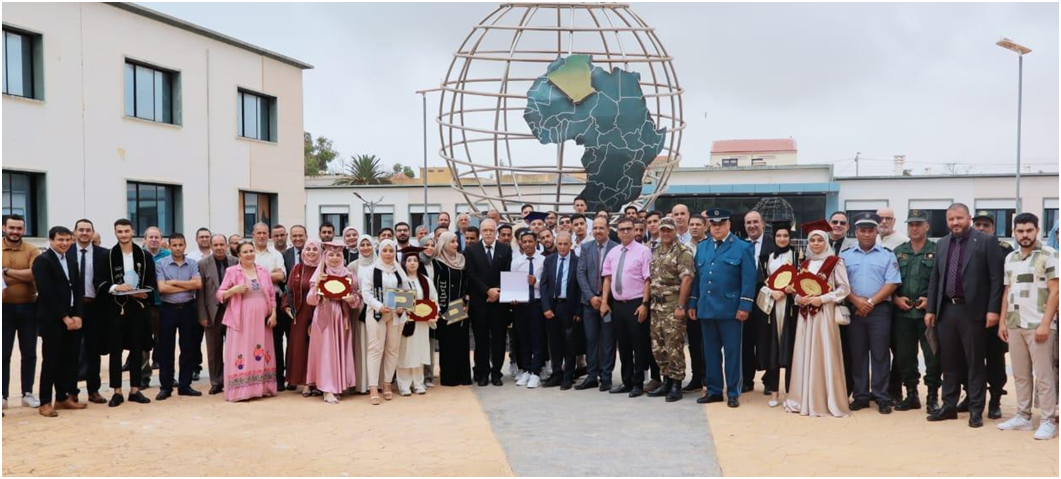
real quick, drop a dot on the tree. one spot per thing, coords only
(363, 170)
(400, 169)
(317, 153)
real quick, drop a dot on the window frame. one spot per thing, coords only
(34, 211)
(381, 211)
(33, 76)
(174, 224)
(272, 115)
(1049, 204)
(729, 162)
(273, 206)
(164, 82)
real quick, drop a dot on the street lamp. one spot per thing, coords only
(423, 98)
(1021, 51)
(371, 212)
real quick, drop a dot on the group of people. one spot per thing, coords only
(843, 317)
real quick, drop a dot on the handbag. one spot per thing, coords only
(841, 314)
(408, 329)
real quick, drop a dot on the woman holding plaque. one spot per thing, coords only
(366, 259)
(298, 288)
(333, 290)
(415, 351)
(818, 387)
(778, 335)
(382, 323)
(454, 361)
(250, 369)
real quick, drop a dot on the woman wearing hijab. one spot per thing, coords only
(331, 352)
(818, 387)
(427, 267)
(454, 363)
(250, 369)
(366, 258)
(779, 326)
(415, 351)
(382, 323)
(350, 251)
(298, 289)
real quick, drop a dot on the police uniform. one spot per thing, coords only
(670, 265)
(908, 327)
(724, 284)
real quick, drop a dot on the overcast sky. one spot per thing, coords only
(924, 80)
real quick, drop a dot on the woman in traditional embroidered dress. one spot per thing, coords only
(818, 387)
(454, 361)
(415, 351)
(777, 337)
(366, 258)
(382, 323)
(250, 367)
(298, 286)
(331, 350)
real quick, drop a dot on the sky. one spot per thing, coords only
(923, 80)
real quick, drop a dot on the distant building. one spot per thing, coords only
(749, 153)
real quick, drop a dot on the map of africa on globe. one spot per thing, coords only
(604, 112)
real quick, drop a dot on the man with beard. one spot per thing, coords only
(279, 235)
(91, 261)
(443, 222)
(233, 244)
(20, 306)
(212, 271)
(326, 232)
(471, 235)
(202, 245)
(547, 241)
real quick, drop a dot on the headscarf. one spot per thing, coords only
(327, 269)
(442, 254)
(320, 257)
(395, 265)
(366, 261)
(825, 253)
(424, 258)
(778, 251)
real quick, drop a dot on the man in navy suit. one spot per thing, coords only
(561, 306)
(91, 262)
(600, 337)
(721, 300)
(59, 295)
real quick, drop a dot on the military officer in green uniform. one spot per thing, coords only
(916, 258)
(672, 271)
(995, 350)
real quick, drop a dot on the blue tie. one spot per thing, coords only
(530, 271)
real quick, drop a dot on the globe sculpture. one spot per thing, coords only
(546, 102)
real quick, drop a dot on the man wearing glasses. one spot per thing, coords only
(838, 239)
(889, 237)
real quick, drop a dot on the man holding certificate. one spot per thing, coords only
(530, 328)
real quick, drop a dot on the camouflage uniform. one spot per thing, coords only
(669, 265)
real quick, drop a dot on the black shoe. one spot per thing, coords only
(709, 398)
(994, 406)
(580, 371)
(483, 382)
(195, 375)
(636, 391)
(145, 382)
(552, 382)
(662, 390)
(964, 405)
(944, 413)
(215, 390)
(621, 389)
(694, 385)
(747, 388)
(605, 386)
(163, 394)
(116, 400)
(911, 402)
(497, 382)
(139, 397)
(733, 402)
(859, 404)
(291, 387)
(976, 419)
(767, 391)
(188, 391)
(675, 391)
(587, 384)
(885, 407)
(565, 385)
(932, 401)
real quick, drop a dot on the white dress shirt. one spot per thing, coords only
(86, 251)
(520, 263)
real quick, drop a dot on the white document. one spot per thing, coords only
(514, 287)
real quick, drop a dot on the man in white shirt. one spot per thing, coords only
(87, 255)
(889, 237)
(202, 241)
(528, 312)
(273, 262)
(680, 213)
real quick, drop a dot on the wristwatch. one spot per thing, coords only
(870, 301)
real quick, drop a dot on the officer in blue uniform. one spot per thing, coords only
(722, 297)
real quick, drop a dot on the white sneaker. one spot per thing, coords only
(1016, 423)
(534, 381)
(523, 378)
(1047, 430)
(29, 400)
(404, 392)
(419, 390)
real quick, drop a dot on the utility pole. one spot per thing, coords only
(371, 212)
(857, 154)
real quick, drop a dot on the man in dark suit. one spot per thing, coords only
(561, 301)
(600, 336)
(211, 272)
(485, 262)
(293, 255)
(91, 261)
(59, 295)
(964, 299)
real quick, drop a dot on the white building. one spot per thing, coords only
(117, 111)
(770, 152)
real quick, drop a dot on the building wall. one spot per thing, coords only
(744, 159)
(81, 139)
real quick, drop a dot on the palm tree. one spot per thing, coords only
(363, 170)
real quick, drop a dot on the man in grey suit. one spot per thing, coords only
(600, 338)
(212, 271)
(964, 299)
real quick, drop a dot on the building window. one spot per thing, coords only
(1003, 218)
(418, 218)
(339, 220)
(150, 93)
(1046, 225)
(256, 116)
(729, 162)
(937, 223)
(758, 162)
(23, 64)
(383, 217)
(23, 195)
(153, 205)
(257, 208)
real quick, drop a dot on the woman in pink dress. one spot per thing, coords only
(331, 346)
(250, 315)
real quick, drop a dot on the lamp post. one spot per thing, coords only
(423, 98)
(371, 212)
(1021, 51)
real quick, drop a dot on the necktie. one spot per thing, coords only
(560, 277)
(718, 243)
(530, 271)
(490, 255)
(298, 257)
(81, 265)
(953, 260)
(617, 277)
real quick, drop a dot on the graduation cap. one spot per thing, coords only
(815, 225)
(333, 245)
(412, 250)
(535, 215)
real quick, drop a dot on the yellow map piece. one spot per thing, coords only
(573, 78)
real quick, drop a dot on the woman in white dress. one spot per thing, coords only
(415, 350)
(366, 257)
(818, 387)
(382, 323)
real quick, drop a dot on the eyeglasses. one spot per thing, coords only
(625, 229)
(839, 222)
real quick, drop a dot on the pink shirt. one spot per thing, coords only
(635, 270)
